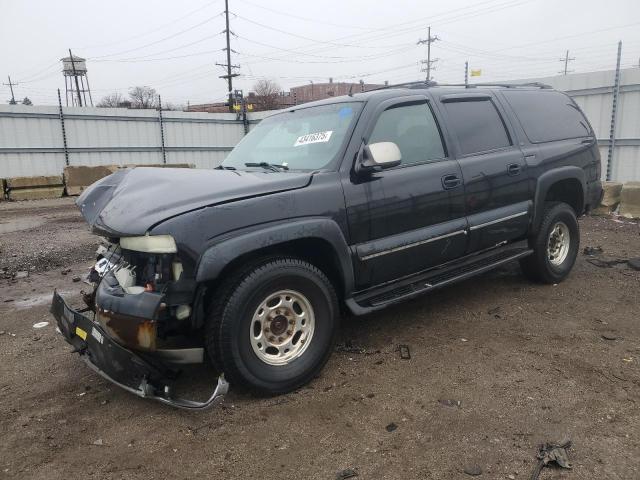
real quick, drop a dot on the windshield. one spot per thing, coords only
(305, 139)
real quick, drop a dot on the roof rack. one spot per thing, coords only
(429, 84)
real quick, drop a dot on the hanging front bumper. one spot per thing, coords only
(121, 366)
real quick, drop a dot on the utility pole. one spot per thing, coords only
(466, 74)
(428, 62)
(73, 67)
(229, 76)
(566, 61)
(10, 85)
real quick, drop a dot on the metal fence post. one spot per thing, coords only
(64, 133)
(614, 111)
(164, 153)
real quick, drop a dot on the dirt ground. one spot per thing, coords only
(527, 364)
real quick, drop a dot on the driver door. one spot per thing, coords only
(411, 217)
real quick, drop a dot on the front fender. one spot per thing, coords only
(224, 251)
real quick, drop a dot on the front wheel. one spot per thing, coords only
(276, 329)
(555, 247)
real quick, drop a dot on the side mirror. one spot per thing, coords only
(378, 156)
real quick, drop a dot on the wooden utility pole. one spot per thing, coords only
(229, 76)
(428, 62)
(10, 85)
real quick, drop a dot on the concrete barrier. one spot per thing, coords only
(630, 200)
(76, 179)
(610, 199)
(34, 188)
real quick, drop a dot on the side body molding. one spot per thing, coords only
(546, 180)
(223, 252)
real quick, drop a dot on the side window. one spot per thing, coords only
(478, 125)
(546, 116)
(413, 128)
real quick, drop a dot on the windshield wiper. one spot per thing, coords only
(274, 167)
(225, 167)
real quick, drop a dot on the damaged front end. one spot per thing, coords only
(141, 309)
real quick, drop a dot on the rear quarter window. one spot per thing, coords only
(547, 116)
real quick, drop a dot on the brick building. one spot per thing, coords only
(296, 95)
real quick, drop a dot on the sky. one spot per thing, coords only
(173, 46)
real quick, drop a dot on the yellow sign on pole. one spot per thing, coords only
(476, 73)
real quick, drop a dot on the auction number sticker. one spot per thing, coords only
(318, 137)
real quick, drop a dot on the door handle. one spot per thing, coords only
(451, 181)
(514, 169)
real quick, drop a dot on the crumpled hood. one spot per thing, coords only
(131, 201)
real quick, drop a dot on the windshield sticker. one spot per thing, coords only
(318, 137)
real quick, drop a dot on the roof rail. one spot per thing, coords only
(429, 84)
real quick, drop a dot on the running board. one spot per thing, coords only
(453, 272)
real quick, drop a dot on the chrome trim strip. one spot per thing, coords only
(411, 245)
(492, 222)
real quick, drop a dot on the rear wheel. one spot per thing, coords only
(275, 330)
(555, 247)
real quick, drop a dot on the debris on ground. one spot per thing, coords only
(634, 263)
(609, 336)
(391, 427)
(347, 473)
(495, 312)
(21, 274)
(450, 403)
(473, 470)
(606, 263)
(65, 271)
(405, 353)
(349, 347)
(75, 279)
(591, 251)
(552, 453)
(40, 324)
(98, 442)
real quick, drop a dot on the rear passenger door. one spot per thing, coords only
(497, 199)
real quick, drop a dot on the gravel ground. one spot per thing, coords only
(498, 365)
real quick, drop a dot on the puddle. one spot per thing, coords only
(18, 224)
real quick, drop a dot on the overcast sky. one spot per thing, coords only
(173, 45)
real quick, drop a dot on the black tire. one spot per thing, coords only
(228, 328)
(538, 266)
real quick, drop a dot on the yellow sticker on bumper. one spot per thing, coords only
(81, 333)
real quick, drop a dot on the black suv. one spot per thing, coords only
(353, 203)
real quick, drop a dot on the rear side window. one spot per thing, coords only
(546, 116)
(478, 125)
(413, 128)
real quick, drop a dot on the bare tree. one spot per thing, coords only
(27, 101)
(143, 97)
(266, 94)
(112, 101)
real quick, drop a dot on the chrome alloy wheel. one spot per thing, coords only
(282, 327)
(558, 243)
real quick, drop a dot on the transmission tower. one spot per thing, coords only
(429, 63)
(229, 76)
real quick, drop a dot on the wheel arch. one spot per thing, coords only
(564, 184)
(319, 241)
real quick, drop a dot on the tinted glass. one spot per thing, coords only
(547, 115)
(304, 139)
(413, 129)
(478, 126)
